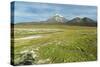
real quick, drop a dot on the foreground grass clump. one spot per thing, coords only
(58, 44)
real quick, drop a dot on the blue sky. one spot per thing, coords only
(29, 11)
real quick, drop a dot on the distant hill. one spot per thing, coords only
(82, 22)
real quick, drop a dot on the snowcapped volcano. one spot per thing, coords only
(57, 18)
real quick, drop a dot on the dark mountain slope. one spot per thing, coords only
(82, 22)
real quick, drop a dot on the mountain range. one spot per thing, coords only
(59, 19)
(85, 21)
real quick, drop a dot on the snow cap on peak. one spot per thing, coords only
(58, 15)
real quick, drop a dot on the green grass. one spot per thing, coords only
(25, 33)
(67, 44)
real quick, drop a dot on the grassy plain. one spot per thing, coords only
(58, 44)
